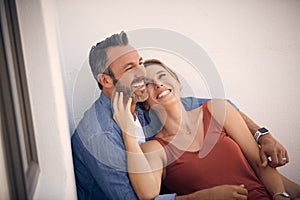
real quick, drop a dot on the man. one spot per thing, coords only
(97, 145)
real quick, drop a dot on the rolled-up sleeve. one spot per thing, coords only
(166, 197)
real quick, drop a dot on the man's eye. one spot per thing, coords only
(128, 69)
(141, 62)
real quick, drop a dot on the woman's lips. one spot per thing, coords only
(163, 93)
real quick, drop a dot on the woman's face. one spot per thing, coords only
(163, 88)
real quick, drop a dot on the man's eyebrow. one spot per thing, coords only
(131, 63)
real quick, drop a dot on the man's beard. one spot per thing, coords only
(128, 91)
(141, 97)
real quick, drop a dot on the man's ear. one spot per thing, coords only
(105, 80)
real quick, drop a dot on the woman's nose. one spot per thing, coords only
(158, 85)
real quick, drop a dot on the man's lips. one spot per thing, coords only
(138, 83)
(163, 94)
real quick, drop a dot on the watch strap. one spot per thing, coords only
(260, 132)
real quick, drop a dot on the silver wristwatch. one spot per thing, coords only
(283, 194)
(260, 132)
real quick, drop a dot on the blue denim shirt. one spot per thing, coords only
(99, 153)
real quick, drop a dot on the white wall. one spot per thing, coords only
(42, 61)
(254, 44)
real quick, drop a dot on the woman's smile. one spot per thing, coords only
(163, 93)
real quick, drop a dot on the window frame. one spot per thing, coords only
(19, 143)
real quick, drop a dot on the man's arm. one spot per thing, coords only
(115, 184)
(269, 146)
(96, 163)
(105, 163)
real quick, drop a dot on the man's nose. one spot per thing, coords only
(140, 71)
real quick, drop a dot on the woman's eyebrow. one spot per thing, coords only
(159, 72)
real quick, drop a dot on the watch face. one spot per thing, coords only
(263, 130)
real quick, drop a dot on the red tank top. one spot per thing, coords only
(224, 163)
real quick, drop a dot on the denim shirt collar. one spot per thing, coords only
(103, 99)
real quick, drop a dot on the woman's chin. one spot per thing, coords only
(170, 102)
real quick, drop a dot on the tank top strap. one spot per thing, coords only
(161, 141)
(206, 113)
(206, 117)
(210, 123)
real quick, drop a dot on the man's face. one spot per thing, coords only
(128, 69)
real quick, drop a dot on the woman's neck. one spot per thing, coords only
(176, 121)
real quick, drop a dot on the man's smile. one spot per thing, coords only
(138, 83)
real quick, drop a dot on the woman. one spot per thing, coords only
(202, 149)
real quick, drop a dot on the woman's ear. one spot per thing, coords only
(180, 87)
(105, 80)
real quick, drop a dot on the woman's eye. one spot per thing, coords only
(149, 82)
(161, 76)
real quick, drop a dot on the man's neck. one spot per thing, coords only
(132, 108)
(108, 93)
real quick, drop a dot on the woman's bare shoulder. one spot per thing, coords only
(151, 145)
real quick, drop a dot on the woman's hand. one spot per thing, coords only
(122, 114)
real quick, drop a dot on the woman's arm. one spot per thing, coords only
(291, 187)
(144, 168)
(145, 163)
(237, 129)
(144, 180)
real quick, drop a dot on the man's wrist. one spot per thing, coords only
(266, 139)
(260, 133)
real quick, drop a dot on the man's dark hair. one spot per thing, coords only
(98, 57)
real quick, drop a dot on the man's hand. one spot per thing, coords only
(273, 150)
(270, 147)
(222, 192)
